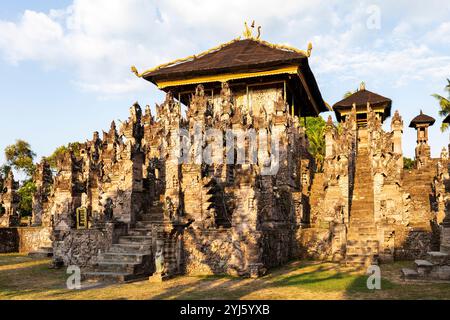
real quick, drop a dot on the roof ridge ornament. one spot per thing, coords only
(362, 86)
(248, 33)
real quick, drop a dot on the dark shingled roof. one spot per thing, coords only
(240, 55)
(360, 98)
(422, 119)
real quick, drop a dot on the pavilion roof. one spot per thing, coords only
(360, 99)
(422, 119)
(250, 57)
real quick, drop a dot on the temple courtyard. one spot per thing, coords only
(24, 278)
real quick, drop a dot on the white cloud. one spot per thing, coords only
(99, 40)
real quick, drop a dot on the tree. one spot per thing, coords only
(348, 94)
(315, 127)
(408, 163)
(444, 103)
(75, 147)
(19, 156)
(26, 193)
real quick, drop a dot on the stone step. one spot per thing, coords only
(360, 260)
(117, 266)
(135, 239)
(438, 258)
(357, 237)
(424, 267)
(140, 232)
(151, 217)
(131, 248)
(121, 256)
(361, 250)
(409, 273)
(112, 277)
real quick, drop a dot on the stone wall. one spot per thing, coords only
(208, 252)
(413, 243)
(24, 240)
(314, 243)
(81, 247)
(9, 240)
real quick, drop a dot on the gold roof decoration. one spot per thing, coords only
(248, 34)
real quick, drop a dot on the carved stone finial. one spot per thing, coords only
(362, 86)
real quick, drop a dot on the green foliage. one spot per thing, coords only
(315, 127)
(26, 197)
(444, 104)
(408, 163)
(19, 156)
(75, 147)
(349, 93)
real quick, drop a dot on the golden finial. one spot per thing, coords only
(362, 86)
(247, 31)
(308, 52)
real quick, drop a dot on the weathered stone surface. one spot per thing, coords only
(24, 239)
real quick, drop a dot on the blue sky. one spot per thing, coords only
(65, 65)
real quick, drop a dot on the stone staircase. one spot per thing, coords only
(362, 244)
(436, 267)
(317, 192)
(132, 257)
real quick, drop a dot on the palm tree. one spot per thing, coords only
(444, 103)
(315, 127)
(317, 147)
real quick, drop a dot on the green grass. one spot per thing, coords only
(24, 278)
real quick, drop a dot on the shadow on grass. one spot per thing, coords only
(13, 258)
(30, 279)
(297, 280)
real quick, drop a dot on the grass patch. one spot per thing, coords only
(24, 278)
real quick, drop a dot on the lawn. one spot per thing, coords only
(24, 278)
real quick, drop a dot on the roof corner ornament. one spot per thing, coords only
(135, 71)
(248, 31)
(308, 52)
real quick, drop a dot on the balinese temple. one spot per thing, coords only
(135, 211)
(250, 66)
(360, 99)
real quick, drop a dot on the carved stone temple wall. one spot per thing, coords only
(367, 207)
(139, 190)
